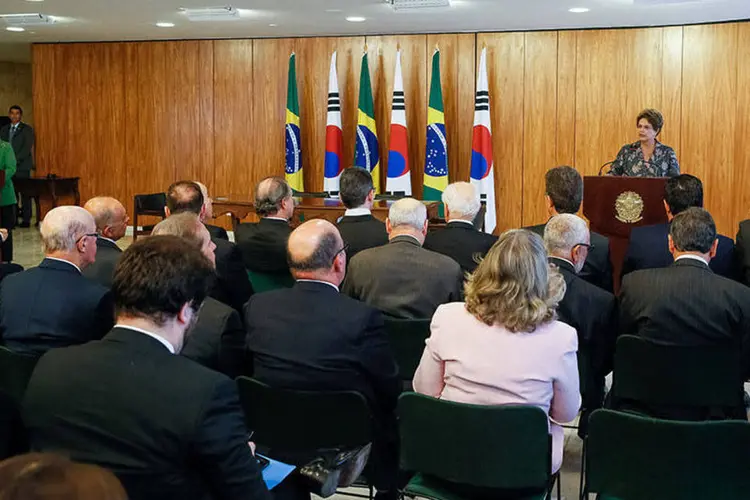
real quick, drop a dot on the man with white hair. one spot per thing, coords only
(111, 220)
(402, 279)
(460, 240)
(207, 213)
(586, 307)
(66, 308)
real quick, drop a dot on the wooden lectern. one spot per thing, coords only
(615, 205)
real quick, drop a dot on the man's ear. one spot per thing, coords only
(714, 248)
(167, 212)
(186, 313)
(667, 209)
(425, 227)
(388, 227)
(672, 248)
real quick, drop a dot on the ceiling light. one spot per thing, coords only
(579, 10)
(356, 19)
(418, 4)
(162, 24)
(26, 19)
(17, 29)
(227, 13)
(273, 25)
(35, 0)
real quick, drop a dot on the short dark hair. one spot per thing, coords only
(321, 258)
(355, 184)
(565, 188)
(268, 200)
(17, 107)
(158, 275)
(184, 196)
(682, 192)
(693, 230)
(654, 117)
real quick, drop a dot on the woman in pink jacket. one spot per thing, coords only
(504, 345)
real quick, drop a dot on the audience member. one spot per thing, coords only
(53, 305)
(587, 308)
(111, 224)
(263, 245)
(310, 337)
(44, 476)
(503, 346)
(648, 247)
(232, 285)
(359, 229)
(743, 251)
(402, 279)
(20, 135)
(564, 195)
(216, 232)
(217, 339)
(460, 240)
(686, 304)
(168, 428)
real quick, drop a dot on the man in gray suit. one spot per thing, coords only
(21, 138)
(402, 279)
(111, 224)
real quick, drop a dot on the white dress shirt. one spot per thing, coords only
(161, 339)
(357, 212)
(66, 261)
(693, 257)
(319, 281)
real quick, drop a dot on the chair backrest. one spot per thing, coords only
(150, 204)
(265, 282)
(631, 457)
(292, 420)
(311, 194)
(15, 372)
(502, 447)
(407, 337)
(651, 373)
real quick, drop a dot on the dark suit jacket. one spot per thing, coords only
(50, 306)
(649, 249)
(326, 342)
(462, 243)
(598, 269)
(263, 245)
(232, 286)
(361, 232)
(103, 270)
(743, 252)
(217, 340)
(169, 428)
(217, 232)
(404, 280)
(23, 142)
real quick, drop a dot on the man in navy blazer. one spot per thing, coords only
(649, 249)
(54, 305)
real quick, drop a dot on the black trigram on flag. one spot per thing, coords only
(398, 100)
(482, 101)
(334, 103)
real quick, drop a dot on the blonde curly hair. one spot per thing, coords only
(514, 286)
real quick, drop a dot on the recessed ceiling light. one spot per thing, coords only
(16, 29)
(356, 19)
(273, 25)
(35, 0)
(579, 10)
(333, 10)
(162, 24)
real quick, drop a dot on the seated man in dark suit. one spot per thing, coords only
(686, 304)
(587, 308)
(310, 337)
(564, 195)
(460, 240)
(402, 279)
(217, 339)
(168, 428)
(648, 247)
(263, 245)
(358, 227)
(54, 305)
(232, 284)
(742, 252)
(111, 223)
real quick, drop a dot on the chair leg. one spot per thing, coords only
(582, 484)
(559, 486)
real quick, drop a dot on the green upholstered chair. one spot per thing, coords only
(407, 338)
(265, 282)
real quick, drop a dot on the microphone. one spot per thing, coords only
(605, 165)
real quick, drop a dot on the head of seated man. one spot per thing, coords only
(564, 190)
(69, 233)
(693, 234)
(461, 201)
(567, 237)
(682, 192)
(110, 217)
(185, 196)
(407, 217)
(356, 188)
(273, 199)
(188, 226)
(316, 252)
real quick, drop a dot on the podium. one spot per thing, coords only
(615, 205)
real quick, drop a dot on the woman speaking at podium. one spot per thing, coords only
(647, 157)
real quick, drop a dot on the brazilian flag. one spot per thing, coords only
(366, 153)
(293, 145)
(436, 154)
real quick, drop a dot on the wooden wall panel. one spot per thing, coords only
(567, 42)
(16, 88)
(741, 177)
(671, 87)
(46, 90)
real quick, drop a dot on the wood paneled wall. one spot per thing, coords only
(15, 88)
(132, 117)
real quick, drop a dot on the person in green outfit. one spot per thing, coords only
(7, 200)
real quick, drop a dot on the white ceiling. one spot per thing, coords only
(103, 20)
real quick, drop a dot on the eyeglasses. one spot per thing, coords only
(92, 235)
(587, 245)
(344, 250)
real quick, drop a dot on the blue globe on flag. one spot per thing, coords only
(293, 160)
(437, 158)
(367, 154)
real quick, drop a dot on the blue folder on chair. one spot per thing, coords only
(275, 472)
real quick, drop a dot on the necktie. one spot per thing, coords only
(12, 134)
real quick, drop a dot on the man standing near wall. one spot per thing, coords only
(21, 137)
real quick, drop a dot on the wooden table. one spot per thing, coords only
(47, 188)
(307, 208)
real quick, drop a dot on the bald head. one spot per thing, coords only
(273, 198)
(184, 196)
(62, 227)
(208, 204)
(109, 215)
(314, 252)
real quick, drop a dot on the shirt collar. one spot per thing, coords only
(461, 221)
(161, 339)
(318, 281)
(107, 239)
(356, 212)
(66, 261)
(562, 259)
(276, 218)
(692, 257)
(407, 236)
